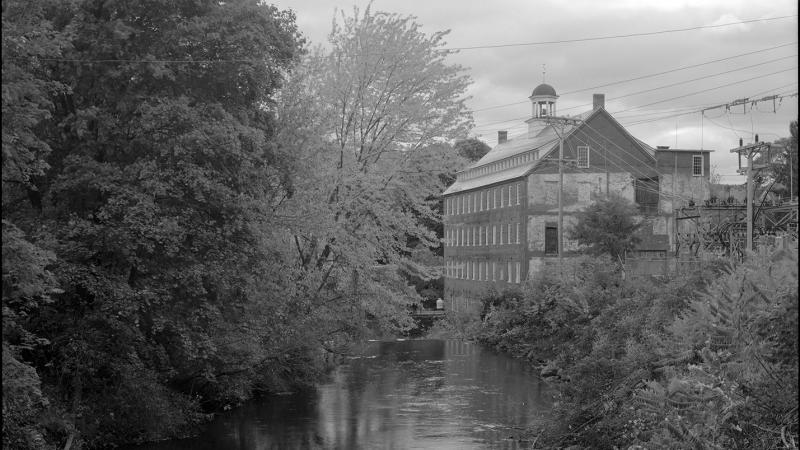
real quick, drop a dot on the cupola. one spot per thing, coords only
(543, 101)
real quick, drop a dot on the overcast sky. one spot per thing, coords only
(504, 77)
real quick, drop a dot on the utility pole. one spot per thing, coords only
(750, 151)
(563, 121)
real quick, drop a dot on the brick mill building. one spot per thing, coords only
(501, 213)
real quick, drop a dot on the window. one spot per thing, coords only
(494, 234)
(480, 271)
(508, 235)
(494, 198)
(584, 192)
(480, 208)
(583, 156)
(551, 192)
(509, 195)
(517, 232)
(502, 196)
(474, 235)
(494, 271)
(551, 241)
(697, 165)
(646, 194)
(510, 273)
(518, 270)
(517, 193)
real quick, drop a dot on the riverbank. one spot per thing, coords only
(659, 363)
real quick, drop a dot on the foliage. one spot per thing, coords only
(384, 103)
(141, 188)
(472, 149)
(548, 311)
(607, 226)
(610, 342)
(782, 168)
(191, 215)
(743, 392)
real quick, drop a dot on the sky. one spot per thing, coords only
(730, 62)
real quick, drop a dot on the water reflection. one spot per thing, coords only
(426, 394)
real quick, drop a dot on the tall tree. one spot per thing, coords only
(607, 226)
(156, 192)
(386, 96)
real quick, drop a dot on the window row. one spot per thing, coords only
(484, 200)
(507, 163)
(479, 235)
(508, 271)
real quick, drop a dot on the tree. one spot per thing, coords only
(472, 149)
(146, 135)
(783, 167)
(607, 226)
(386, 100)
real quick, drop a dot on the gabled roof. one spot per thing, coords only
(546, 142)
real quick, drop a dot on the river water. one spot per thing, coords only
(412, 394)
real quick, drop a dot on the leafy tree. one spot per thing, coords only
(386, 100)
(783, 167)
(148, 153)
(472, 149)
(28, 284)
(607, 226)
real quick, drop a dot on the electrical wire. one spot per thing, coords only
(656, 102)
(650, 75)
(619, 36)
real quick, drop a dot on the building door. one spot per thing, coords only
(551, 241)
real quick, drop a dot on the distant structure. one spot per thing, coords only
(501, 213)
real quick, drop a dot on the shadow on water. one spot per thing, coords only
(394, 395)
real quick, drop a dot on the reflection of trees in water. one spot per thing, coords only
(400, 392)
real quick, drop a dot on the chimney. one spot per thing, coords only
(599, 101)
(502, 136)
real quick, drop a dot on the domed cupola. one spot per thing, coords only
(544, 89)
(543, 101)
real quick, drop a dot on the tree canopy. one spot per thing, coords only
(472, 149)
(196, 207)
(385, 104)
(607, 226)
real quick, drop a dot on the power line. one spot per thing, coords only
(653, 89)
(706, 90)
(651, 75)
(618, 36)
(655, 119)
